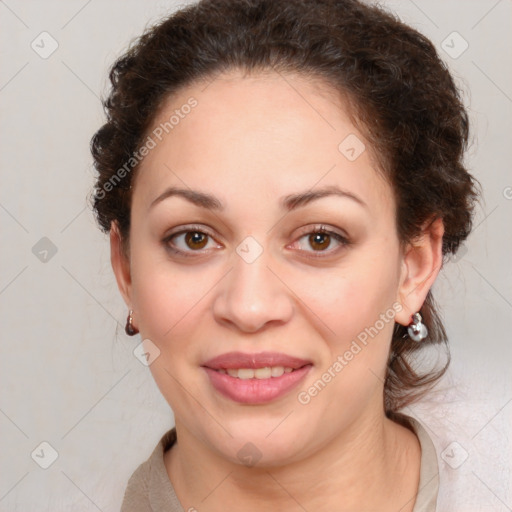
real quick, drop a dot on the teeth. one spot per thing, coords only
(259, 373)
(263, 373)
(276, 371)
(245, 373)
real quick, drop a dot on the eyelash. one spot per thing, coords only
(321, 229)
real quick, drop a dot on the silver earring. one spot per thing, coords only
(417, 330)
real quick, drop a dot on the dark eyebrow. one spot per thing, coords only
(198, 198)
(289, 202)
(293, 201)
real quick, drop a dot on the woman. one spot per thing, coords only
(281, 182)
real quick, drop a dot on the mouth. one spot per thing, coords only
(255, 378)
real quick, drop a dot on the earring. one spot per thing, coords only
(129, 328)
(417, 330)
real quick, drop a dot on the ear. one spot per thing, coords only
(422, 261)
(120, 263)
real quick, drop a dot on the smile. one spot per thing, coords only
(255, 378)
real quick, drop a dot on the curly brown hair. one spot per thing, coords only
(401, 95)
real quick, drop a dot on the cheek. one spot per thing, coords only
(355, 302)
(360, 317)
(165, 294)
(166, 300)
(170, 303)
(351, 298)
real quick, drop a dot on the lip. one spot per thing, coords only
(255, 391)
(258, 360)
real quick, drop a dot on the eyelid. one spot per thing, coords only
(322, 228)
(203, 228)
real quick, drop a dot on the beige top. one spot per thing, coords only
(150, 490)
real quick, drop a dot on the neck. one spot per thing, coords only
(372, 465)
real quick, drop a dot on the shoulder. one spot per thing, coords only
(428, 486)
(136, 495)
(470, 430)
(149, 487)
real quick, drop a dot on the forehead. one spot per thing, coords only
(267, 134)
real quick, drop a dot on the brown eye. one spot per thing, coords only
(196, 239)
(191, 242)
(319, 241)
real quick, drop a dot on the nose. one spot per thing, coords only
(252, 296)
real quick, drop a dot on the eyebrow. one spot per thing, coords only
(294, 201)
(289, 202)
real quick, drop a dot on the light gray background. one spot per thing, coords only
(68, 373)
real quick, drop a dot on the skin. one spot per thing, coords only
(250, 141)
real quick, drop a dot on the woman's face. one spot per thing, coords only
(273, 337)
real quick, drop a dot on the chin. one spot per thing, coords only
(263, 442)
(263, 452)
